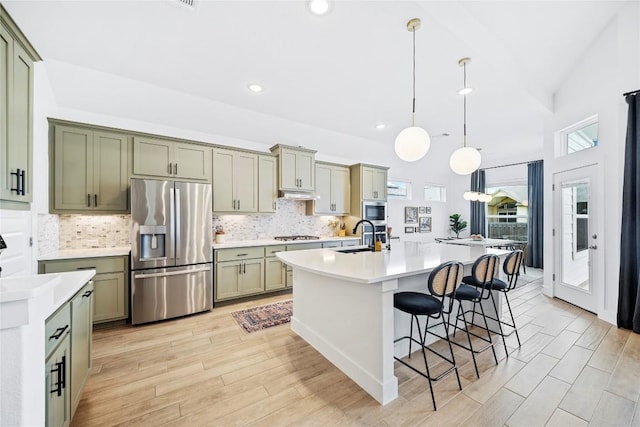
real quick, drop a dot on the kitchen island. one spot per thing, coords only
(343, 304)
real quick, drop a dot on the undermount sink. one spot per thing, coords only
(353, 250)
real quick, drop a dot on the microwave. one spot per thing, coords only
(376, 212)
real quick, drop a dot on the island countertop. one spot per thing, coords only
(405, 259)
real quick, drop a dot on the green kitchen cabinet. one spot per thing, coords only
(165, 158)
(275, 272)
(16, 115)
(333, 186)
(296, 168)
(90, 171)
(235, 181)
(267, 183)
(81, 330)
(368, 183)
(111, 284)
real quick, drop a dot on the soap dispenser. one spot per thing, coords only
(378, 244)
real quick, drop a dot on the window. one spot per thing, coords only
(399, 189)
(507, 212)
(580, 136)
(435, 193)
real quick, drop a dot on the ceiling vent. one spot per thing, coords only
(191, 4)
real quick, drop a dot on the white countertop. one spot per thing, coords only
(405, 259)
(487, 242)
(86, 253)
(56, 288)
(273, 242)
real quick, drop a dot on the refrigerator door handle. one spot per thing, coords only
(170, 273)
(178, 225)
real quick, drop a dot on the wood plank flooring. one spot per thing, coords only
(572, 370)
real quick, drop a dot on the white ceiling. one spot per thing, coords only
(343, 72)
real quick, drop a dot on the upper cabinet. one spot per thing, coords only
(89, 170)
(171, 159)
(368, 183)
(16, 115)
(235, 181)
(296, 168)
(333, 187)
(267, 183)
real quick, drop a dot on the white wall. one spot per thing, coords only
(595, 86)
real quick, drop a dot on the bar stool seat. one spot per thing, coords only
(417, 303)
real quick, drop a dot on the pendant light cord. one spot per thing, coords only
(464, 103)
(413, 111)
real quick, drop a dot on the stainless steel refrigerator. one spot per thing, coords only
(171, 257)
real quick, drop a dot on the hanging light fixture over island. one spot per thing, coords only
(413, 143)
(465, 160)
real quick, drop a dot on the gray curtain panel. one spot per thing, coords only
(478, 217)
(536, 215)
(629, 282)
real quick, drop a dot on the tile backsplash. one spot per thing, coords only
(60, 232)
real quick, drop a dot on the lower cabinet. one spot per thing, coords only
(275, 272)
(68, 335)
(111, 283)
(239, 272)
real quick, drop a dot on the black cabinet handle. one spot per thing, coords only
(95, 200)
(170, 168)
(59, 371)
(88, 200)
(58, 333)
(87, 294)
(17, 174)
(85, 268)
(175, 169)
(22, 182)
(242, 254)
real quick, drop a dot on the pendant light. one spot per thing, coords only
(413, 143)
(465, 160)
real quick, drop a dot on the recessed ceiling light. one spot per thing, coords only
(465, 91)
(319, 7)
(254, 87)
(381, 126)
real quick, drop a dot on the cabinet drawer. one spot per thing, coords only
(57, 326)
(331, 244)
(101, 265)
(303, 246)
(239, 254)
(270, 251)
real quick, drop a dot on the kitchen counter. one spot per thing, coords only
(25, 304)
(273, 242)
(86, 253)
(343, 304)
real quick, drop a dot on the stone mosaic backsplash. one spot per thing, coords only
(61, 232)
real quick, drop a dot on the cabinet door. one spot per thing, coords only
(72, 175)
(305, 170)
(81, 330)
(288, 173)
(6, 58)
(380, 184)
(246, 182)
(110, 175)
(191, 161)
(110, 297)
(223, 173)
(267, 184)
(19, 143)
(58, 405)
(152, 157)
(252, 276)
(340, 189)
(367, 183)
(324, 205)
(227, 279)
(275, 274)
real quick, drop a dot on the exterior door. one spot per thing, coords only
(578, 267)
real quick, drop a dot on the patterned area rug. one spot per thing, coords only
(265, 316)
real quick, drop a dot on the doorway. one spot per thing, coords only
(578, 272)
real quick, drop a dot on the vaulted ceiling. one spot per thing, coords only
(342, 73)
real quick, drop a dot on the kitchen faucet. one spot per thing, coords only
(373, 232)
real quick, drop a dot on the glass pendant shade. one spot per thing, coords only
(486, 198)
(467, 195)
(465, 160)
(412, 144)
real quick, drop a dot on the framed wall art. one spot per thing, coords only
(410, 215)
(422, 210)
(408, 229)
(425, 224)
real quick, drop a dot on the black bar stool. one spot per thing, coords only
(442, 282)
(511, 268)
(482, 274)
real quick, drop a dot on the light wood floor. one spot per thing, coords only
(572, 370)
